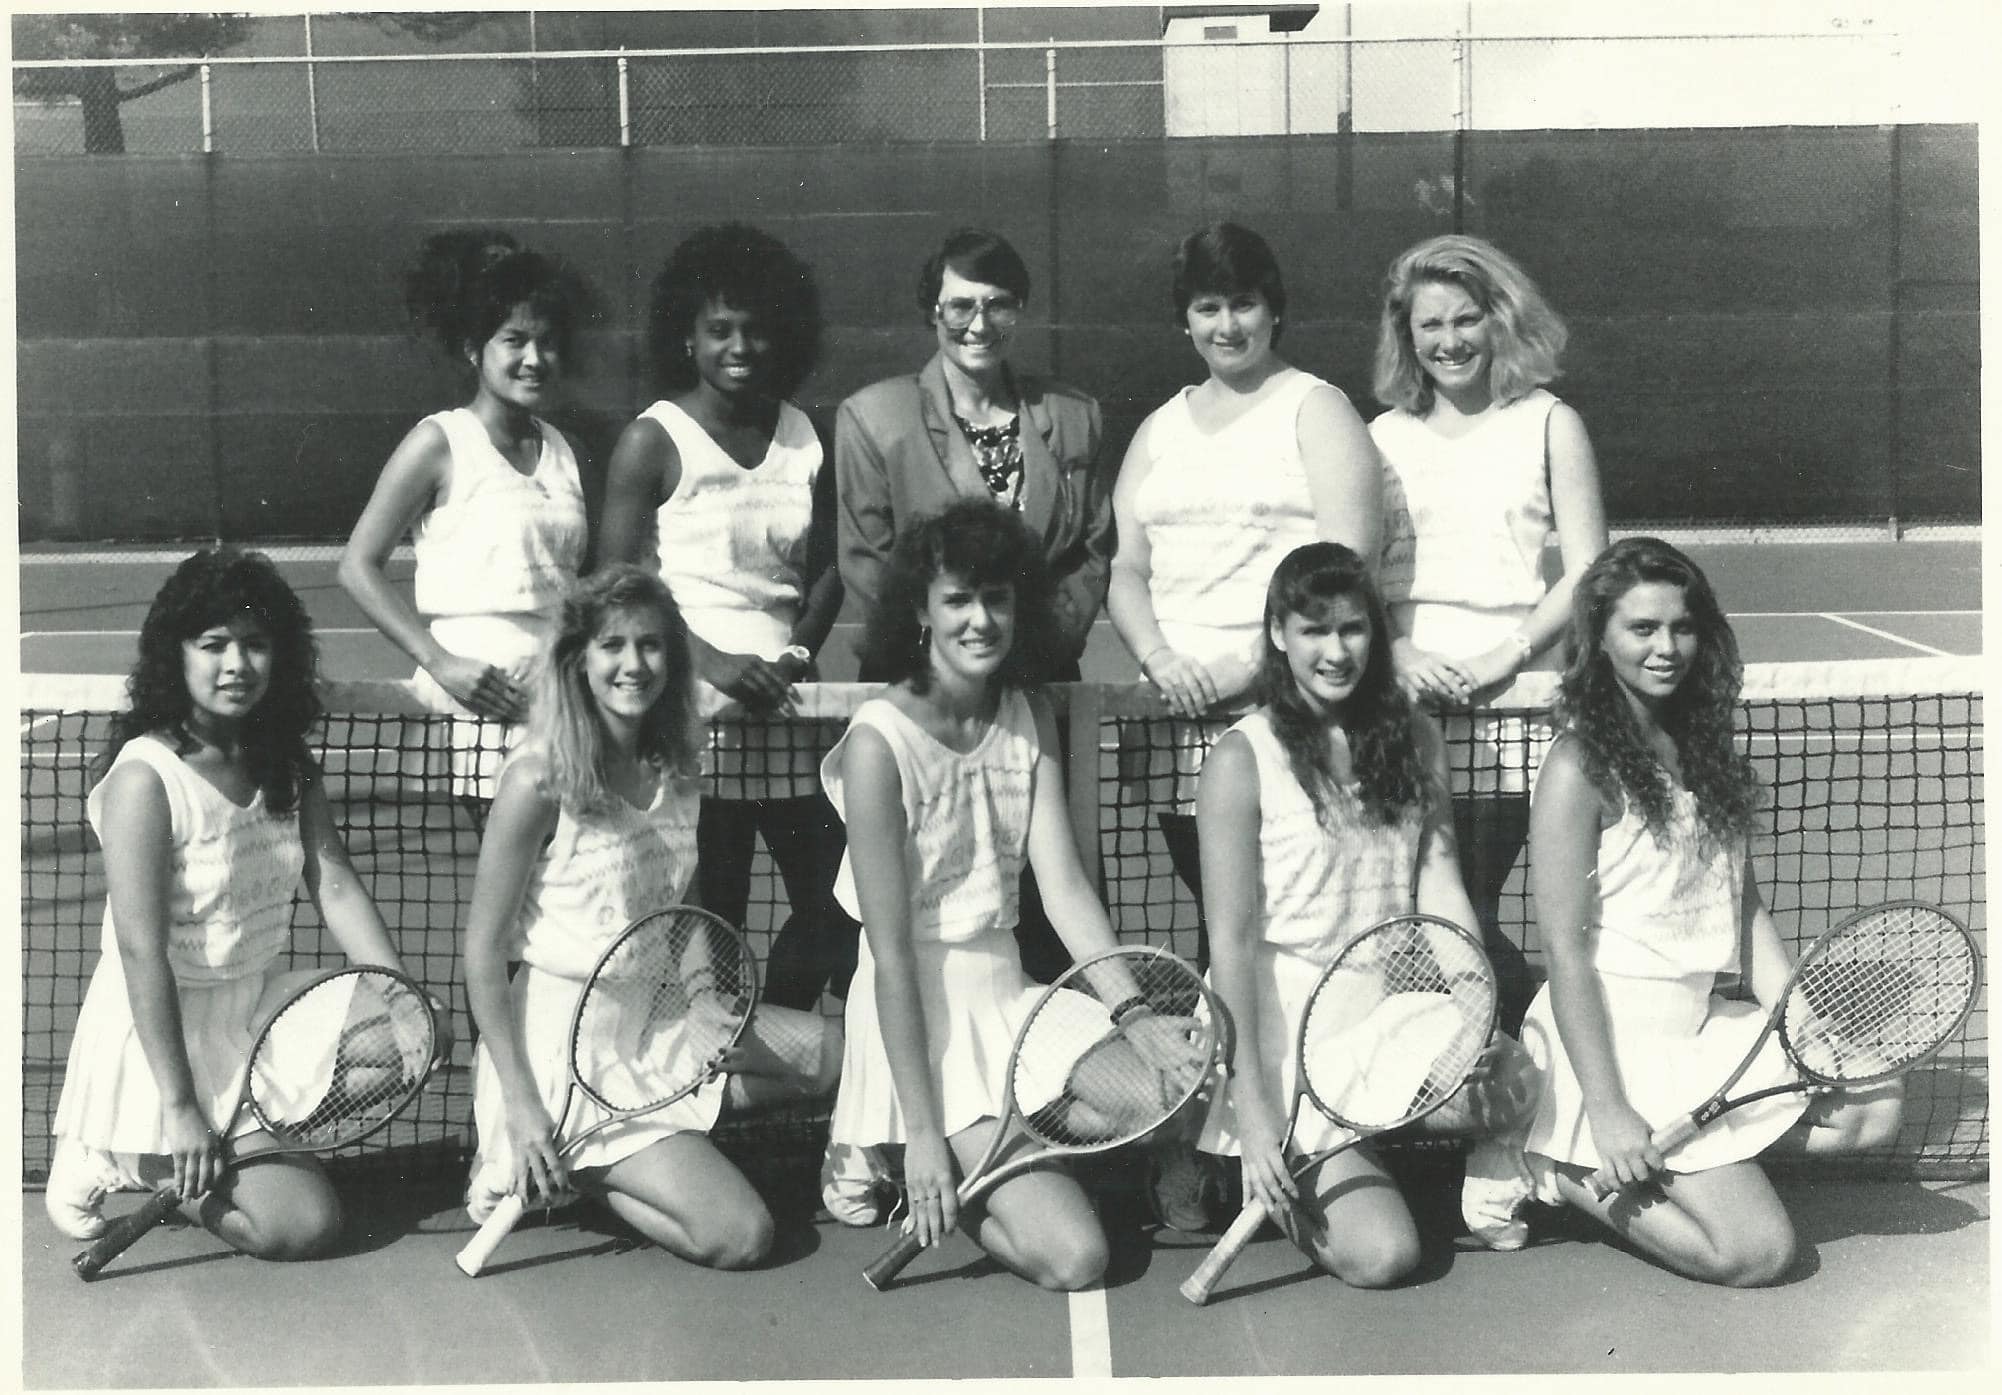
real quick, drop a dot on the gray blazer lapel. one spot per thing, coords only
(955, 457)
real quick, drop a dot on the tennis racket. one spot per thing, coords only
(664, 1003)
(1873, 997)
(1389, 1033)
(336, 1060)
(1108, 1054)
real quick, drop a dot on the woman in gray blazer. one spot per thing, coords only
(969, 424)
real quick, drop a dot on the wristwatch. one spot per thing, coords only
(800, 652)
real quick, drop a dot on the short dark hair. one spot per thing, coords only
(1227, 259)
(981, 541)
(978, 255)
(468, 281)
(746, 269)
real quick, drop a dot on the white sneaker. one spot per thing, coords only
(1496, 1187)
(851, 1185)
(79, 1180)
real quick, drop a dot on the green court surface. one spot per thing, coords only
(1892, 1277)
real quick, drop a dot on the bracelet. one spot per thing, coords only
(1126, 1007)
(1152, 654)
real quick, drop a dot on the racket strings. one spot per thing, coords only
(1080, 1080)
(1396, 1024)
(664, 1003)
(341, 1057)
(1880, 995)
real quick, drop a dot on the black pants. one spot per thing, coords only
(815, 947)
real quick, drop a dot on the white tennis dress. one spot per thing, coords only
(1668, 919)
(968, 821)
(1464, 523)
(494, 556)
(233, 871)
(1319, 886)
(598, 874)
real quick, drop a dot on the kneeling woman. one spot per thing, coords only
(947, 783)
(1645, 896)
(593, 825)
(1321, 813)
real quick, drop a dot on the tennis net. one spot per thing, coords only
(1873, 770)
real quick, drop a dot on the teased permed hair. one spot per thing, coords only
(468, 281)
(980, 542)
(214, 587)
(1226, 259)
(746, 269)
(1390, 773)
(563, 719)
(1699, 716)
(1526, 336)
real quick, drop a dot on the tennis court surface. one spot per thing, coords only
(1863, 712)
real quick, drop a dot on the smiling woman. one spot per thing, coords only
(490, 490)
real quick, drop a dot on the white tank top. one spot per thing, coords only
(232, 872)
(733, 541)
(1671, 911)
(1219, 511)
(966, 816)
(603, 871)
(1321, 886)
(497, 541)
(1464, 523)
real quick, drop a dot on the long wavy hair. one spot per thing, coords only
(1526, 338)
(1700, 716)
(746, 269)
(1390, 774)
(563, 720)
(980, 542)
(213, 587)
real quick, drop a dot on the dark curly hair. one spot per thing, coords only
(980, 542)
(212, 588)
(1377, 716)
(1699, 716)
(1227, 259)
(468, 281)
(746, 269)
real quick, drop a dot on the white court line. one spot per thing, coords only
(1091, 1335)
(1886, 634)
(119, 634)
(1824, 615)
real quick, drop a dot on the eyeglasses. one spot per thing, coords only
(1001, 311)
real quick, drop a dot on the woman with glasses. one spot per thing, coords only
(969, 424)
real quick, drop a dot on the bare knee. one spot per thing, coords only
(1365, 1261)
(1077, 1261)
(736, 1241)
(307, 1229)
(1750, 1258)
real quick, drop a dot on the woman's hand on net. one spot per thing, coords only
(932, 1188)
(1184, 683)
(486, 689)
(758, 683)
(1432, 678)
(197, 1151)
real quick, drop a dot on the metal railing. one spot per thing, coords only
(992, 90)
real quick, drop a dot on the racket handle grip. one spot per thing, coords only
(1198, 1286)
(494, 1229)
(1664, 1138)
(892, 1261)
(123, 1233)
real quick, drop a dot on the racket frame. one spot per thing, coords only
(985, 1176)
(121, 1234)
(1717, 1104)
(507, 1213)
(1198, 1287)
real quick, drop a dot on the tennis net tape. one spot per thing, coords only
(1873, 774)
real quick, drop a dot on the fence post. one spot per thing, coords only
(312, 91)
(625, 106)
(1050, 91)
(208, 116)
(980, 62)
